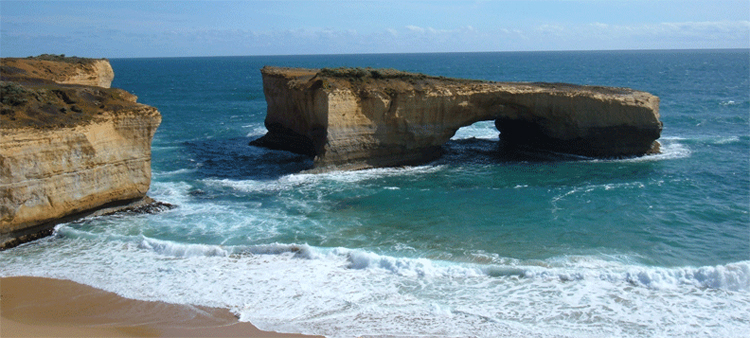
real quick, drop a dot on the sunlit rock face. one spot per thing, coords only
(365, 118)
(68, 149)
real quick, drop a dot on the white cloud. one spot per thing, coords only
(410, 38)
(415, 28)
(116, 29)
(599, 25)
(678, 34)
(554, 29)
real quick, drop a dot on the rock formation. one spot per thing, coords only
(60, 69)
(363, 118)
(67, 150)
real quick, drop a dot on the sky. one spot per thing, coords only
(119, 29)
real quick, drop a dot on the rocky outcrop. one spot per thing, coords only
(59, 69)
(68, 150)
(363, 118)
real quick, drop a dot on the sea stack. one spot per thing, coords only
(355, 118)
(70, 146)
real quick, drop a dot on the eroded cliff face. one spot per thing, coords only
(363, 118)
(67, 150)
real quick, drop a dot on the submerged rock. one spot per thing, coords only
(354, 118)
(68, 150)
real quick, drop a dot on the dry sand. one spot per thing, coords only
(43, 307)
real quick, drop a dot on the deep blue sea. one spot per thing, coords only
(479, 243)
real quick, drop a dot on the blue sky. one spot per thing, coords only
(215, 28)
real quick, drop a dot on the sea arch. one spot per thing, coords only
(353, 118)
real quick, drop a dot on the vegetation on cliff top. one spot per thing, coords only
(364, 74)
(45, 68)
(388, 80)
(30, 97)
(63, 58)
(44, 105)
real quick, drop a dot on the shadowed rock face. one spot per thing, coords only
(364, 118)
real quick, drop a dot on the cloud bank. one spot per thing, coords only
(162, 29)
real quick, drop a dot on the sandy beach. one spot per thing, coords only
(43, 307)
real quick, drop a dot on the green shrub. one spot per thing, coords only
(12, 94)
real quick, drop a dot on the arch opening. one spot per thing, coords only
(479, 130)
(483, 142)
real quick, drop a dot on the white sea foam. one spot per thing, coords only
(297, 181)
(342, 292)
(161, 174)
(567, 192)
(406, 267)
(727, 140)
(173, 249)
(705, 139)
(171, 192)
(248, 186)
(671, 148)
(364, 175)
(255, 130)
(729, 103)
(732, 277)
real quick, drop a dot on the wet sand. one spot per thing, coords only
(43, 307)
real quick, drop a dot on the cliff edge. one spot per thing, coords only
(68, 148)
(354, 118)
(59, 69)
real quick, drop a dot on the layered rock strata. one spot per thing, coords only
(68, 150)
(364, 118)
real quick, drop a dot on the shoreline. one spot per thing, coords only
(43, 307)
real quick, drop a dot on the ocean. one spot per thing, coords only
(482, 242)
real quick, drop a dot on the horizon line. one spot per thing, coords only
(406, 53)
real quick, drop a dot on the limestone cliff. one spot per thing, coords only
(67, 150)
(59, 69)
(362, 118)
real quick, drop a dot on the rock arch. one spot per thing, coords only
(362, 118)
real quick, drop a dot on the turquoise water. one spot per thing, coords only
(481, 242)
